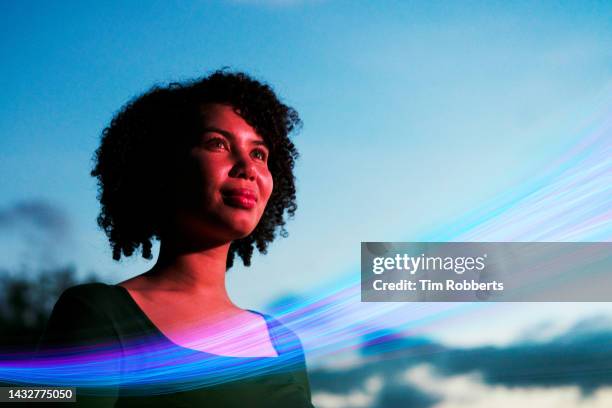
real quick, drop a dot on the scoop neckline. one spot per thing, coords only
(148, 320)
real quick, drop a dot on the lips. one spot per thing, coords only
(239, 197)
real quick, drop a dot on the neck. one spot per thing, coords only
(192, 271)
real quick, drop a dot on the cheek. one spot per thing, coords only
(266, 186)
(201, 179)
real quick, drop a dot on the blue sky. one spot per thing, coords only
(415, 113)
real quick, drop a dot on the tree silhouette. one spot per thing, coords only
(26, 301)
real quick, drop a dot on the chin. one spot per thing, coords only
(241, 227)
(222, 227)
(242, 232)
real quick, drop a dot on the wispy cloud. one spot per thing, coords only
(469, 390)
(572, 369)
(34, 230)
(37, 215)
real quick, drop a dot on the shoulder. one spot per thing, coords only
(86, 291)
(284, 338)
(277, 324)
(96, 296)
(290, 347)
(91, 298)
(79, 315)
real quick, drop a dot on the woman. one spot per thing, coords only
(206, 167)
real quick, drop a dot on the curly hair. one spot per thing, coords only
(142, 147)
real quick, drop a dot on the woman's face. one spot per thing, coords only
(227, 184)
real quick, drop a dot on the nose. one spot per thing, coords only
(243, 168)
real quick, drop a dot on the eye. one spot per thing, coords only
(259, 154)
(216, 143)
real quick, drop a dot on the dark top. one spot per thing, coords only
(99, 318)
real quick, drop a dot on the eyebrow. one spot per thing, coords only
(230, 135)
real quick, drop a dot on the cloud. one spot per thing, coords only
(364, 397)
(580, 357)
(37, 215)
(469, 391)
(572, 369)
(34, 232)
(376, 391)
(387, 341)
